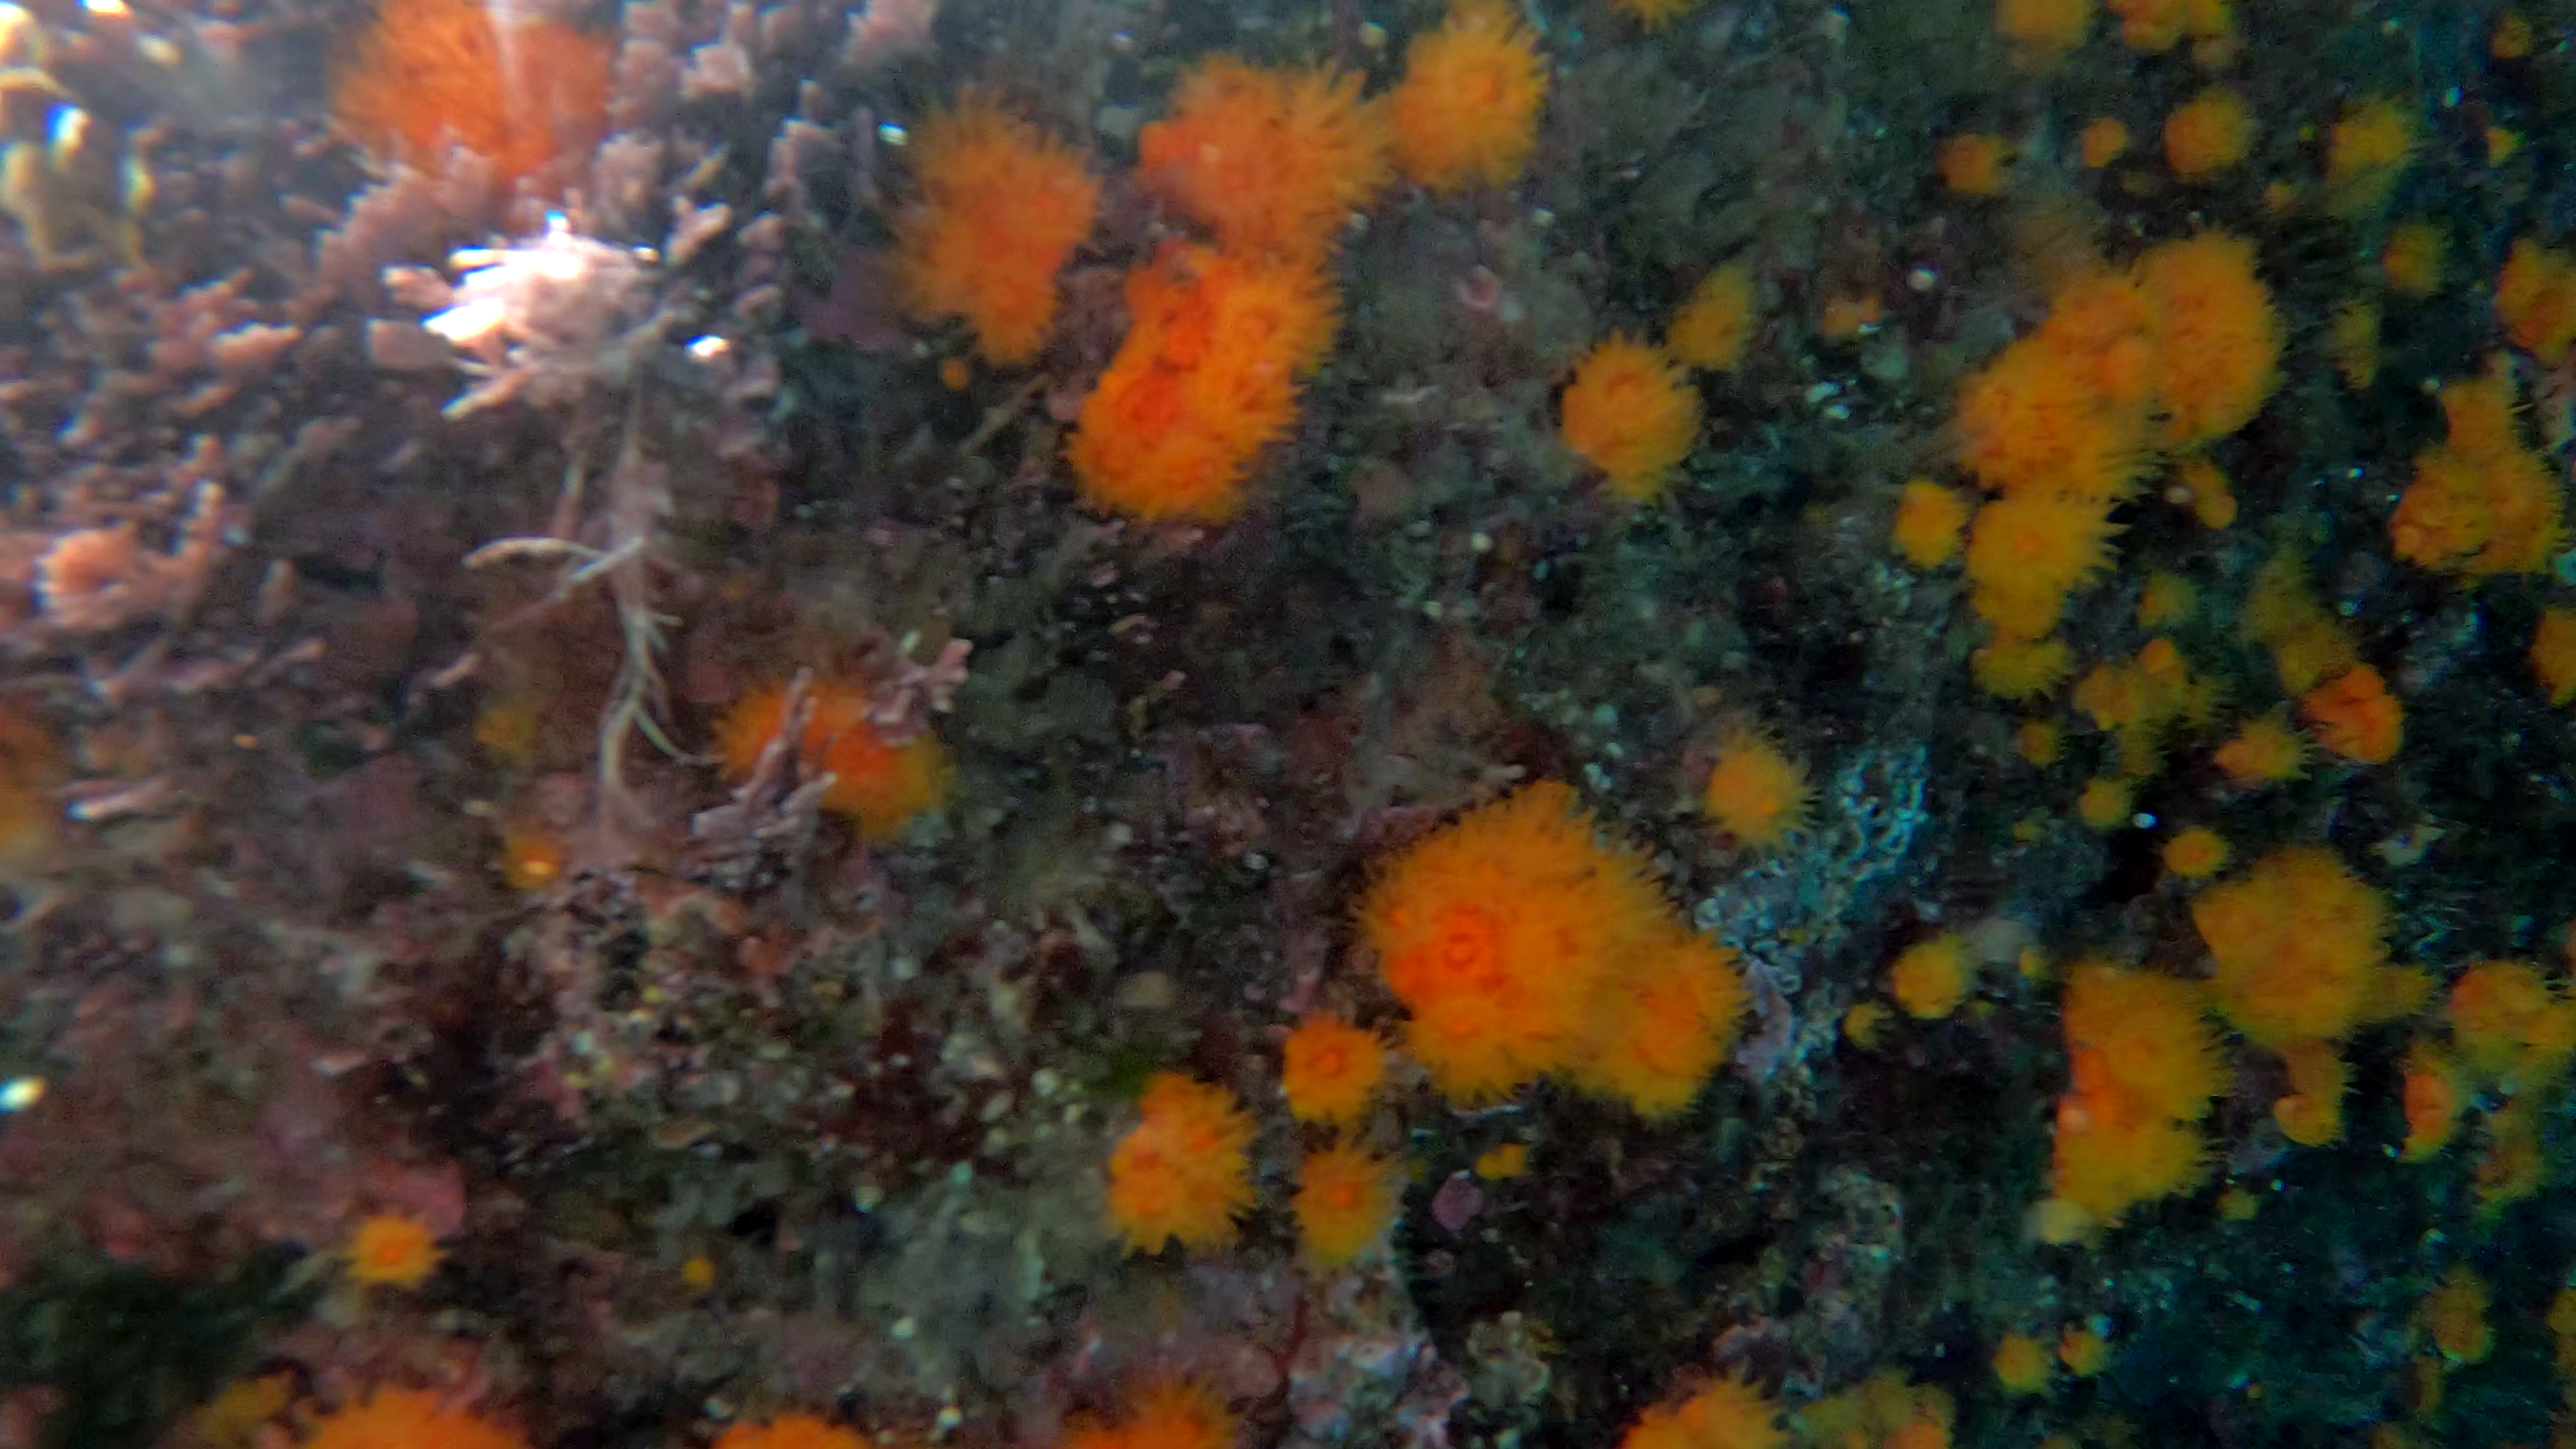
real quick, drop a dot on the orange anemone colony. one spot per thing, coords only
(1346, 1200)
(1466, 112)
(2217, 338)
(2208, 134)
(2535, 298)
(1207, 376)
(1274, 161)
(2180, 350)
(1931, 979)
(1160, 1416)
(1523, 945)
(2366, 152)
(1929, 521)
(1003, 206)
(2040, 33)
(1183, 1173)
(2553, 653)
(2298, 946)
(1329, 1069)
(392, 1250)
(1632, 414)
(1725, 1414)
(2142, 1068)
(2481, 503)
(407, 1419)
(2512, 1028)
(1714, 325)
(1661, 1024)
(1756, 793)
(2028, 554)
(2354, 715)
(428, 74)
(1496, 930)
(877, 785)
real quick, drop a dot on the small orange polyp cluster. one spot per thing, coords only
(2366, 152)
(534, 855)
(429, 74)
(407, 1419)
(2354, 715)
(2553, 654)
(2021, 1364)
(392, 1250)
(878, 786)
(2208, 134)
(2013, 668)
(2310, 1113)
(1183, 1173)
(1931, 978)
(2411, 259)
(1523, 946)
(2040, 33)
(1713, 326)
(2536, 298)
(1207, 377)
(1346, 1200)
(2299, 949)
(2139, 700)
(1273, 161)
(2433, 1096)
(2063, 411)
(2143, 1065)
(1756, 793)
(2454, 1316)
(2102, 142)
(1883, 1411)
(2265, 751)
(2217, 338)
(1929, 522)
(2182, 349)
(2040, 742)
(2482, 503)
(1973, 164)
(2308, 643)
(1329, 1069)
(1003, 206)
(1160, 1416)
(2511, 1028)
(2027, 554)
(2352, 343)
(1661, 1023)
(2196, 853)
(1466, 112)
(1727, 1412)
(1632, 414)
